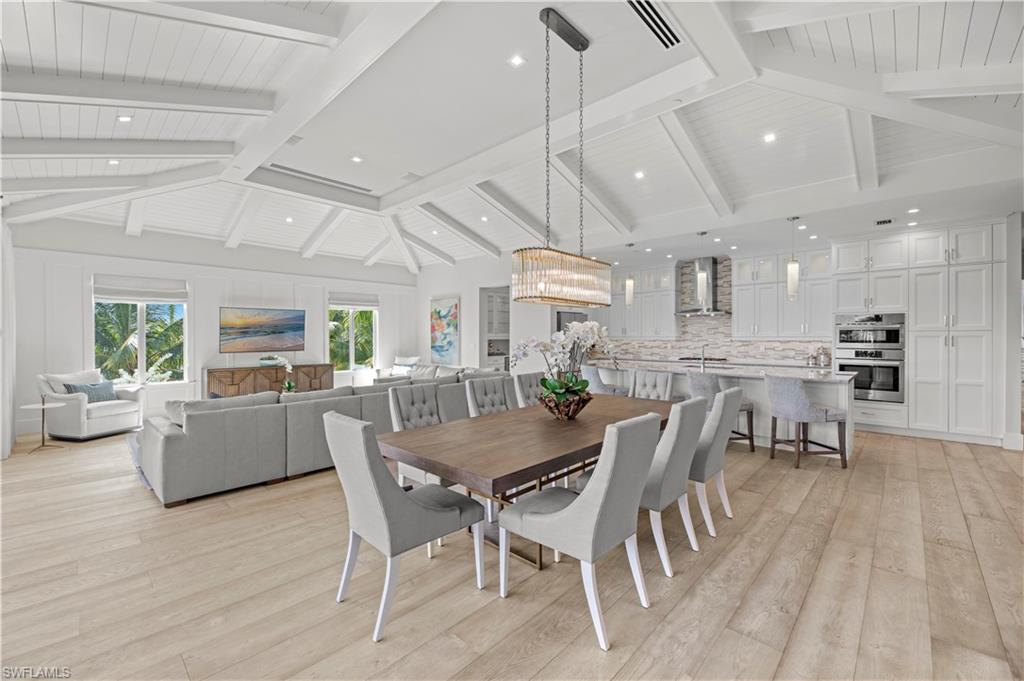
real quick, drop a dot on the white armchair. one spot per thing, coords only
(80, 420)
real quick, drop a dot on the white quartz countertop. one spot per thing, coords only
(738, 369)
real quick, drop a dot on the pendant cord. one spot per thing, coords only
(547, 136)
(581, 152)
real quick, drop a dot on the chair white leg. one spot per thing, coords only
(489, 507)
(684, 510)
(638, 573)
(350, 563)
(430, 549)
(440, 541)
(478, 552)
(503, 551)
(401, 480)
(558, 556)
(705, 510)
(659, 540)
(390, 580)
(723, 494)
(594, 602)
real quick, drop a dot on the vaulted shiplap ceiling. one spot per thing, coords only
(690, 119)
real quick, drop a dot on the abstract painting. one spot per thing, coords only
(257, 329)
(444, 330)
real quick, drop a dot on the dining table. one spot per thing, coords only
(503, 455)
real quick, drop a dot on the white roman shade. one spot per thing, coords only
(117, 288)
(362, 300)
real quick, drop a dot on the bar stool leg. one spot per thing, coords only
(842, 442)
(798, 441)
(775, 425)
(750, 429)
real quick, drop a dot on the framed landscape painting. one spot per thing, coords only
(258, 329)
(444, 330)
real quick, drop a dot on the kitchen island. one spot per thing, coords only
(826, 387)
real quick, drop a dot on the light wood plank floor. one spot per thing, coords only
(906, 565)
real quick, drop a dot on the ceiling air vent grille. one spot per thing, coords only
(883, 223)
(295, 172)
(655, 20)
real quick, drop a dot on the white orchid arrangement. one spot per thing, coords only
(564, 354)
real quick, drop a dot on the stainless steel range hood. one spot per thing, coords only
(699, 296)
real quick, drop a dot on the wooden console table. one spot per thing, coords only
(228, 382)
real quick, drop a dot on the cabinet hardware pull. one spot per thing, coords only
(946, 255)
(952, 341)
(944, 320)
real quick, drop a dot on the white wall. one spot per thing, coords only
(55, 329)
(465, 280)
(7, 342)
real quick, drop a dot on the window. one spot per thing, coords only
(140, 342)
(352, 337)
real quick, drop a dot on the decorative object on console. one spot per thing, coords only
(564, 391)
(444, 330)
(228, 382)
(288, 386)
(547, 275)
(257, 329)
(275, 361)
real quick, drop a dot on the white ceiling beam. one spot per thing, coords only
(862, 142)
(429, 249)
(324, 231)
(243, 216)
(753, 17)
(47, 185)
(255, 18)
(136, 217)
(515, 213)
(711, 33)
(57, 205)
(310, 190)
(14, 148)
(460, 230)
(394, 229)
(377, 251)
(590, 196)
(996, 79)
(366, 34)
(862, 91)
(684, 140)
(41, 88)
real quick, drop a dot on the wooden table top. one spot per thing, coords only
(495, 453)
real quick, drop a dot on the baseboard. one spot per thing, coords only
(932, 435)
(1014, 441)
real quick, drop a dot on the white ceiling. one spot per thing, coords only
(431, 94)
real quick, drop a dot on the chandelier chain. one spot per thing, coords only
(547, 137)
(581, 152)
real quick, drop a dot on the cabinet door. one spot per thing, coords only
(818, 308)
(888, 291)
(970, 298)
(927, 249)
(666, 327)
(633, 318)
(928, 380)
(850, 257)
(970, 244)
(850, 294)
(744, 315)
(970, 382)
(616, 317)
(813, 264)
(648, 315)
(767, 304)
(664, 278)
(929, 299)
(765, 269)
(791, 312)
(743, 271)
(647, 279)
(889, 253)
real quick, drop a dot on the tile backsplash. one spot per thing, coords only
(715, 332)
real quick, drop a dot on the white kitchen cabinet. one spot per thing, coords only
(648, 315)
(850, 294)
(970, 382)
(766, 306)
(743, 271)
(888, 253)
(887, 291)
(929, 299)
(928, 249)
(850, 257)
(813, 264)
(970, 298)
(818, 311)
(792, 312)
(616, 316)
(744, 311)
(970, 244)
(928, 380)
(766, 269)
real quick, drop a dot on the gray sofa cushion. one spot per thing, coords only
(427, 371)
(377, 410)
(307, 445)
(389, 379)
(94, 392)
(341, 391)
(437, 380)
(177, 410)
(443, 371)
(481, 373)
(378, 388)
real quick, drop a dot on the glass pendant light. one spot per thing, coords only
(793, 269)
(543, 274)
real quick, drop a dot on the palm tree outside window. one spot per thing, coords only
(140, 342)
(352, 337)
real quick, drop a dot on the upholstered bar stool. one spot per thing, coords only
(651, 385)
(598, 386)
(707, 386)
(789, 401)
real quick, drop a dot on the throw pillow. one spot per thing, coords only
(94, 392)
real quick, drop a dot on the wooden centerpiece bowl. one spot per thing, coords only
(569, 408)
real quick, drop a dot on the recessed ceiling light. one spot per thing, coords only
(801, 226)
(813, 236)
(593, 257)
(124, 119)
(639, 174)
(434, 232)
(483, 218)
(769, 137)
(357, 159)
(717, 239)
(733, 248)
(289, 220)
(914, 210)
(911, 224)
(647, 250)
(669, 255)
(113, 162)
(516, 60)
(616, 262)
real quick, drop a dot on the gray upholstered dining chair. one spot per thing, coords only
(707, 386)
(598, 386)
(709, 459)
(668, 479)
(789, 400)
(452, 404)
(486, 396)
(651, 385)
(589, 525)
(390, 519)
(528, 388)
